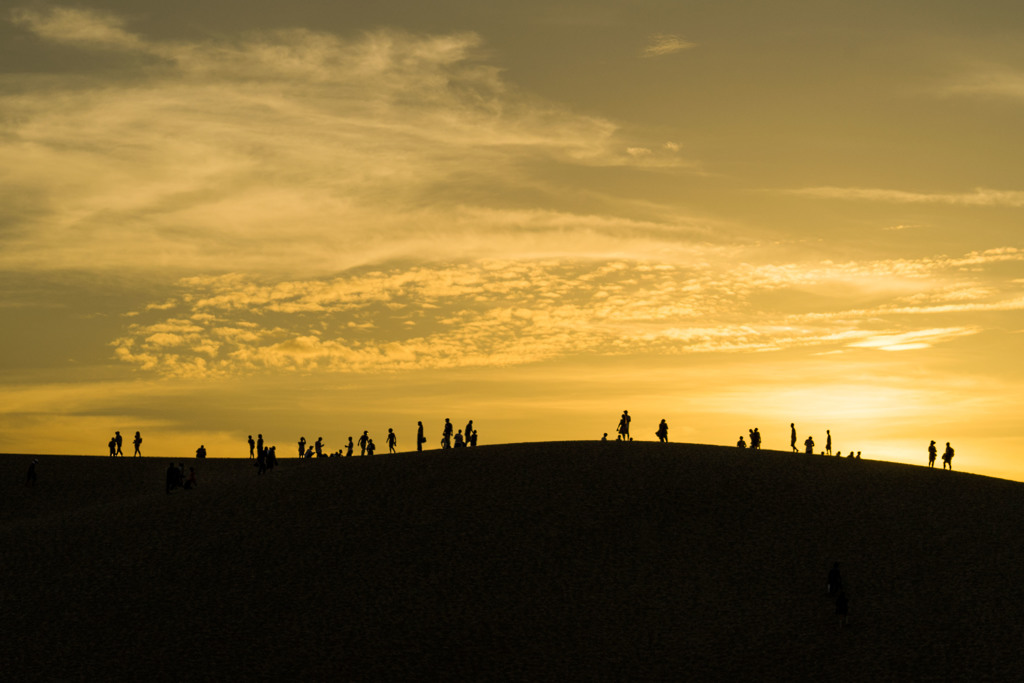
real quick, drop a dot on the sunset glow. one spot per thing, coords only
(328, 217)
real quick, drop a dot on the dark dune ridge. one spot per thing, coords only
(573, 560)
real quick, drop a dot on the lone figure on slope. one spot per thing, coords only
(624, 426)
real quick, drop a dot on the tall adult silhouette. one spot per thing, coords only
(623, 427)
(420, 439)
(792, 436)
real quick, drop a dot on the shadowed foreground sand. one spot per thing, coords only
(575, 560)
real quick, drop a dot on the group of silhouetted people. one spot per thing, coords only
(947, 456)
(116, 441)
(176, 477)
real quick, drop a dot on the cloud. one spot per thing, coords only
(918, 339)
(665, 44)
(74, 26)
(506, 312)
(285, 151)
(992, 81)
(979, 197)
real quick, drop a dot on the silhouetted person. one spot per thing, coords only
(420, 439)
(446, 435)
(662, 432)
(792, 436)
(392, 440)
(319, 447)
(363, 441)
(349, 447)
(605, 437)
(472, 439)
(370, 448)
(858, 455)
(459, 442)
(623, 428)
(947, 457)
(842, 608)
(834, 582)
(259, 443)
(201, 452)
(172, 477)
(30, 476)
(302, 446)
(252, 448)
(272, 457)
(828, 442)
(468, 430)
(120, 441)
(741, 443)
(261, 461)
(309, 452)
(932, 452)
(809, 445)
(112, 445)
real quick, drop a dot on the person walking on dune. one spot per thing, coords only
(446, 434)
(947, 457)
(364, 440)
(349, 447)
(792, 437)
(137, 441)
(662, 432)
(392, 440)
(623, 428)
(828, 442)
(420, 439)
(932, 452)
(119, 440)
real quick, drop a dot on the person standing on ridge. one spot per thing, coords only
(252, 448)
(947, 457)
(420, 439)
(828, 442)
(119, 441)
(932, 452)
(624, 426)
(392, 440)
(137, 441)
(792, 436)
(662, 432)
(363, 441)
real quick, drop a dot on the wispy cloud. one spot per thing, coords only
(498, 313)
(991, 81)
(979, 197)
(85, 27)
(665, 44)
(286, 151)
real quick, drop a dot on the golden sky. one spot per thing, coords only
(311, 219)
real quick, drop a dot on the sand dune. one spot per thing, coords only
(574, 560)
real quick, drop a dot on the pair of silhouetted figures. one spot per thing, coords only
(623, 428)
(755, 439)
(117, 441)
(947, 456)
(176, 477)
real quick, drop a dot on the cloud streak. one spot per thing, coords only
(284, 151)
(500, 313)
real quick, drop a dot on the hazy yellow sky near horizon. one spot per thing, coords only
(308, 219)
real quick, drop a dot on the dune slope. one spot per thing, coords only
(524, 561)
